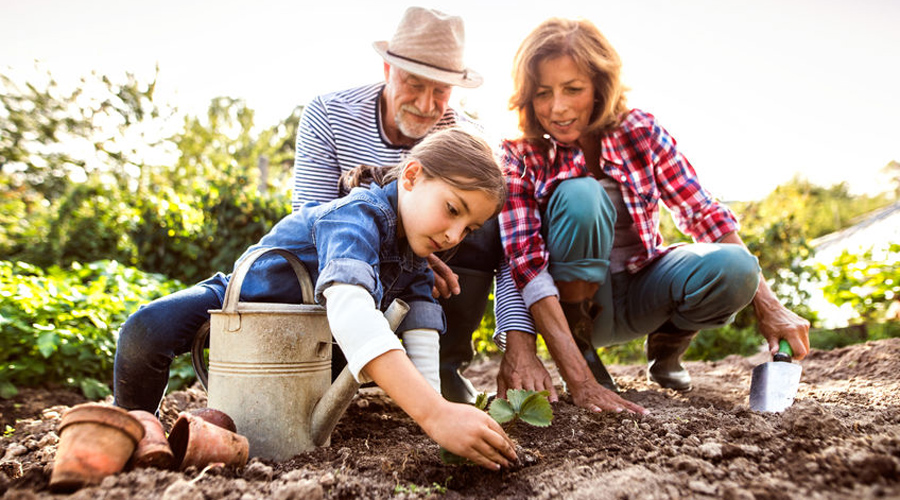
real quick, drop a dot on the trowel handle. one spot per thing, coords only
(784, 352)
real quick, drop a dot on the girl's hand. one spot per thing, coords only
(461, 429)
(470, 433)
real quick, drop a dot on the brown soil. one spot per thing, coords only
(840, 439)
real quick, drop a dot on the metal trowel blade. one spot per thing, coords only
(774, 385)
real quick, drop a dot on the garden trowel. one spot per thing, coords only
(773, 385)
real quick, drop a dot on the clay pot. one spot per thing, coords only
(95, 440)
(195, 441)
(153, 450)
(215, 417)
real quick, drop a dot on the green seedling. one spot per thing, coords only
(530, 407)
(426, 491)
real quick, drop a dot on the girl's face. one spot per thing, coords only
(564, 99)
(436, 216)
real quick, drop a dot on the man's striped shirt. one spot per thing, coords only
(341, 131)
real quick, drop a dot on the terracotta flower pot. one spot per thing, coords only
(95, 440)
(153, 450)
(195, 441)
(216, 417)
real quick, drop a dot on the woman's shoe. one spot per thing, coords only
(664, 351)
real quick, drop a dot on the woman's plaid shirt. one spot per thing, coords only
(642, 157)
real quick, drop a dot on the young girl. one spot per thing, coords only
(362, 251)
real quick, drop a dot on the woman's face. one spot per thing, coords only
(564, 99)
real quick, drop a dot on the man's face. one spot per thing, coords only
(413, 104)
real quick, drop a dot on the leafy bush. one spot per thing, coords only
(854, 334)
(91, 222)
(102, 172)
(191, 238)
(708, 345)
(870, 282)
(185, 237)
(59, 325)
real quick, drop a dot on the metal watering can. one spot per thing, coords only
(270, 366)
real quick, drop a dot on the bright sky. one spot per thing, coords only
(754, 91)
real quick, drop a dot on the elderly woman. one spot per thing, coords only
(581, 230)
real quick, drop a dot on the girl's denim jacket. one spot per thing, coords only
(351, 240)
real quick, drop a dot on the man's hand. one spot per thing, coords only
(446, 282)
(520, 367)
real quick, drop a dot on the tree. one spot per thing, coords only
(100, 172)
(51, 137)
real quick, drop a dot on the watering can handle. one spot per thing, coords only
(233, 296)
(233, 292)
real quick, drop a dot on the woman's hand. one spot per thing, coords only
(446, 282)
(777, 322)
(470, 433)
(520, 368)
(591, 395)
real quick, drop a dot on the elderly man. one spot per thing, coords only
(377, 124)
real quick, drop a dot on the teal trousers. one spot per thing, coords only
(693, 287)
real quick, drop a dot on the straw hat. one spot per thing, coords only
(430, 44)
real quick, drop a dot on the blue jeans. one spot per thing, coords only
(693, 287)
(166, 327)
(152, 337)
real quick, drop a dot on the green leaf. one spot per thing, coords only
(501, 411)
(48, 343)
(93, 389)
(516, 397)
(450, 458)
(536, 409)
(481, 401)
(7, 390)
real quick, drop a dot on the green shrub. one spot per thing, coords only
(59, 325)
(185, 237)
(91, 223)
(191, 238)
(854, 334)
(708, 345)
(869, 282)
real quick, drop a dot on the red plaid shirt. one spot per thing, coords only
(642, 157)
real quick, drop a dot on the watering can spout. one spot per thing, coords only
(337, 398)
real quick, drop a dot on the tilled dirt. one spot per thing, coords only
(840, 439)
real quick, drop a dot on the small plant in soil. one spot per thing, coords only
(426, 491)
(531, 407)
